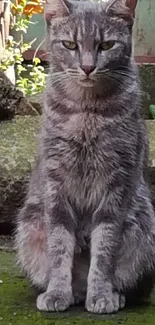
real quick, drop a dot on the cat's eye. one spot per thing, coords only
(105, 46)
(69, 45)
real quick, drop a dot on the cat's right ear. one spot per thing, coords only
(56, 9)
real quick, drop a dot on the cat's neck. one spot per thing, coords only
(73, 99)
(120, 105)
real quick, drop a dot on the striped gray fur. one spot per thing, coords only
(87, 229)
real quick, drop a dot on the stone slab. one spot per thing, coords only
(147, 77)
(17, 154)
(12, 101)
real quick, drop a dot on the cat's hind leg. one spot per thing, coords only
(135, 264)
(31, 243)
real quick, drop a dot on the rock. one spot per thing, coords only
(36, 102)
(17, 155)
(147, 76)
(17, 152)
(151, 131)
(7, 243)
(12, 101)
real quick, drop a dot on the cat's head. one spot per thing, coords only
(90, 42)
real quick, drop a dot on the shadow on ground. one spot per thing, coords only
(17, 304)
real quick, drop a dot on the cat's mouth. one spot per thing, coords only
(87, 82)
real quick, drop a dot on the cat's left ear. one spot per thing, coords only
(123, 8)
(57, 9)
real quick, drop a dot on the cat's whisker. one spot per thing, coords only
(114, 79)
(110, 76)
(124, 67)
(102, 71)
(56, 82)
(73, 74)
(58, 79)
(116, 73)
(123, 74)
(72, 70)
(58, 73)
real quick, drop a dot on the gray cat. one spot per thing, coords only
(87, 228)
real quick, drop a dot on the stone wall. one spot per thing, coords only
(18, 140)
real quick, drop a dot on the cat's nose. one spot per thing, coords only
(88, 69)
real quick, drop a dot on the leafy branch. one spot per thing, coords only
(21, 12)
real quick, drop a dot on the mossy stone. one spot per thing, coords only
(18, 139)
(17, 153)
(147, 77)
(151, 132)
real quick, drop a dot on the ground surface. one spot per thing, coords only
(17, 304)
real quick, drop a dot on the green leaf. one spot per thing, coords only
(152, 111)
(36, 60)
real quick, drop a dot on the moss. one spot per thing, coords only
(151, 132)
(18, 145)
(17, 304)
(147, 76)
(17, 152)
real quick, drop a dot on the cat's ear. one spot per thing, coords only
(56, 9)
(122, 8)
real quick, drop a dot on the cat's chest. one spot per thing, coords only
(90, 146)
(87, 153)
(88, 158)
(86, 136)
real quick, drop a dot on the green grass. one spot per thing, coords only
(17, 305)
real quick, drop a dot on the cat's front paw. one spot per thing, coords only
(54, 301)
(108, 304)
